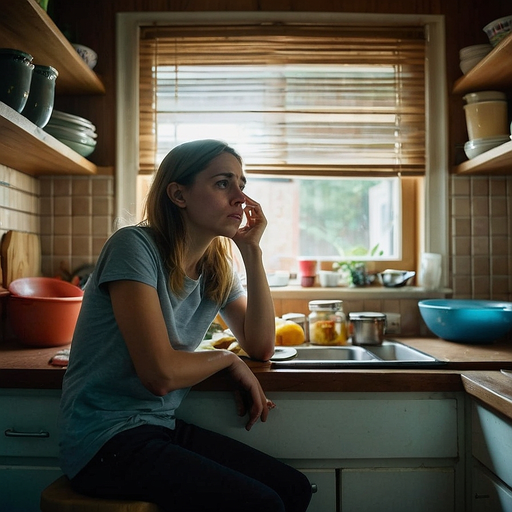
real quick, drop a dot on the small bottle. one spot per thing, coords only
(327, 323)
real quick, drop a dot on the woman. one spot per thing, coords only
(155, 290)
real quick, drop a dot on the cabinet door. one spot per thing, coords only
(489, 494)
(398, 490)
(28, 423)
(21, 486)
(324, 499)
(491, 441)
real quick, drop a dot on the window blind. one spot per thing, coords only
(303, 100)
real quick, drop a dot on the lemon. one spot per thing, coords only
(289, 333)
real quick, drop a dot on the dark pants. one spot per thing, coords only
(194, 470)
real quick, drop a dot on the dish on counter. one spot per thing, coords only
(467, 320)
(283, 353)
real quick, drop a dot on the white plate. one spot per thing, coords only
(60, 132)
(72, 126)
(57, 114)
(283, 353)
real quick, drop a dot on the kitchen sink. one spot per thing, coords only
(391, 354)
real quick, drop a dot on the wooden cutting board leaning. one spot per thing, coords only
(20, 256)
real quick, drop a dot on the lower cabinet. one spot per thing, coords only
(398, 489)
(28, 447)
(491, 446)
(490, 494)
(21, 486)
(364, 452)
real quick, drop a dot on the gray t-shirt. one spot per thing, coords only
(101, 393)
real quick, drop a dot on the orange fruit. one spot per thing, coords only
(288, 334)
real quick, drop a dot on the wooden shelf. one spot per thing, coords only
(498, 160)
(494, 71)
(25, 26)
(29, 149)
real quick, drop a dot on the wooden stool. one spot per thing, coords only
(60, 497)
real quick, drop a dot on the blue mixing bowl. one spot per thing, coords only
(467, 321)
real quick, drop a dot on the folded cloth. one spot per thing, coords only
(61, 358)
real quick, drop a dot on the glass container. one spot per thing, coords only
(327, 323)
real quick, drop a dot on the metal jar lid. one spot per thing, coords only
(325, 305)
(365, 316)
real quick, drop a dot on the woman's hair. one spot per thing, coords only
(181, 165)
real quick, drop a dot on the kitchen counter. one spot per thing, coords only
(25, 367)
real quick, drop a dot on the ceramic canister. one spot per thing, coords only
(39, 106)
(16, 70)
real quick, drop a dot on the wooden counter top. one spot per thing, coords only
(24, 367)
(492, 388)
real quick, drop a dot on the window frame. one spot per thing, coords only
(432, 199)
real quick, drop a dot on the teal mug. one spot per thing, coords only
(16, 70)
(39, 106)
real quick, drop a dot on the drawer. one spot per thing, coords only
(337, 425)
(492, 441)
(28, 423)
(488, 493)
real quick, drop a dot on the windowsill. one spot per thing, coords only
(364, 292)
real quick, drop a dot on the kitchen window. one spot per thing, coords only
(330, 111)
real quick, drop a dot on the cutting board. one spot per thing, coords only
(20, 256)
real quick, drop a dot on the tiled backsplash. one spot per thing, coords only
(76, 219)
(481, 237)
(72, 214)
(75, 214)
(19, 201)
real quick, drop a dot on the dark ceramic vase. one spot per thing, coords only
(39, 106)
(16, 70)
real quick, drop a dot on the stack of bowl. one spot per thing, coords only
(76, 132)
(470, 56)
(486, 121)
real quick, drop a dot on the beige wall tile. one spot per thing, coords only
(499, 245)
(81, 187)
(499, 226)
(62, 187)
(81, 245)
(82, 225)
(81, 205)
(480, 186)
(481, 265)
(480, 206)
(461, 185)
(62, 205)
(62, 226)
(480, 226)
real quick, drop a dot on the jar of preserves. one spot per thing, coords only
(327, 323)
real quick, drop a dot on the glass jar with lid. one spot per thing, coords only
(327, 322)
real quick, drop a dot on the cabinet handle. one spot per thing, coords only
(314, 488)
(481, 496)
(10, 432)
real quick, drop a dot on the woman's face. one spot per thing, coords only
(212, 205)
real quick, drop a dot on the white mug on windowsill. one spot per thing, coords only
(328, 278)
(430, 271)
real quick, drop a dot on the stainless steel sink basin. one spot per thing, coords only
(391, 354)
(394, 351)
